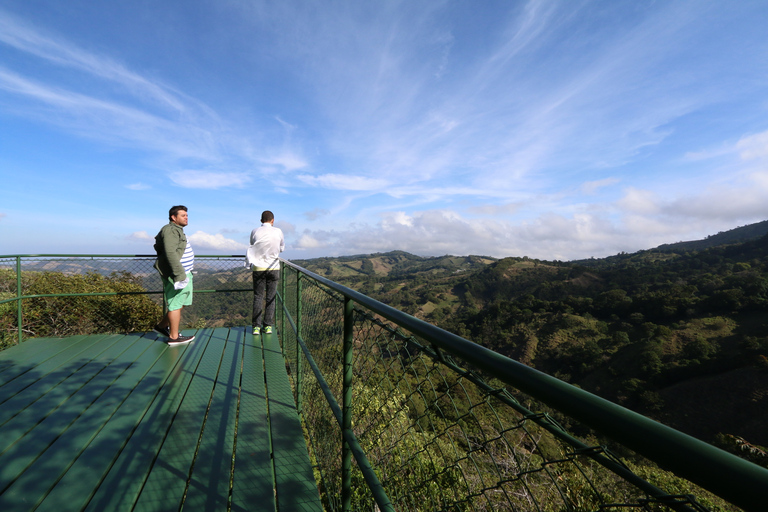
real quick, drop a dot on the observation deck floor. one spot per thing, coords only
(126, 422)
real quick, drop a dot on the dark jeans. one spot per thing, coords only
(264, 280)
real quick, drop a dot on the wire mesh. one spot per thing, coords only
(124, 294)
(439, 434)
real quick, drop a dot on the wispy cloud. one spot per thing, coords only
(539, 127)
(20, 35)
(107, 101)
(345, 182)
(754, 147)
(106, 120)
(316, 214)
(209, 179)
(592, 187)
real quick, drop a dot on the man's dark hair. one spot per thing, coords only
(175, 211)
(267, 216)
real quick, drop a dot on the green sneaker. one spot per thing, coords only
(257, 330)
(268, 329)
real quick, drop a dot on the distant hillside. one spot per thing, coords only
(679, 335)
(666, 252)
(392, 264)
(732, 236)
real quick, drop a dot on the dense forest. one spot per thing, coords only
(677, 333)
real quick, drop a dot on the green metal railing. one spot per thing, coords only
(81, 294)
(399, 414)
(436, 422)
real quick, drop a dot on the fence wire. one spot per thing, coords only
(440, 435)
(113, 294)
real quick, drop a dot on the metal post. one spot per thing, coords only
(282, 294)
(346, 451)
(298, 347)
(19, 316)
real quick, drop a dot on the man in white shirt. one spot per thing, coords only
(263, 256)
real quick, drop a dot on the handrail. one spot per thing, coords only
(730, 477)
(362, 460)
(5, 256)
(111, 294)
(20, 297)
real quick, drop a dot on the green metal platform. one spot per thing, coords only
(125, 422)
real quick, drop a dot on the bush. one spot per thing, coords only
(67, 316)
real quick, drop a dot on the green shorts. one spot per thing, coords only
(177, 299)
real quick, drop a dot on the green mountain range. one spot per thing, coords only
(678, 332)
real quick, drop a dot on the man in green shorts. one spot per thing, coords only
(175, 261)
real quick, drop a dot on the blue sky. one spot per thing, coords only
(549, 129)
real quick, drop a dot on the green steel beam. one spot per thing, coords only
(734, 479)
(374, 484)
(346, 423)
(19, 317)
(299, 389)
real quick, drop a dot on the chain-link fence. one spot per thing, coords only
(431, 427)
(64, 295)
(442, 434)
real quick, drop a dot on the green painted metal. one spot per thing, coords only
(209, 485)
(125, 422)
(19, 261)
(19, 317)
(295, 483)
(282, 292)
(438, 365)
(371, 479)
(255, 483)
(728, 476)
(167, 481)
(297, 330)
(346, 408)
(153, 411)
(62, 446)
(87, 474)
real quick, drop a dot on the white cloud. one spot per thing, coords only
(209, 180)
(393, 220)
(639, 201)
(139, 235)
(204, 240)
(345, 182)
(287, 228)
(21, 36)
(106, 120)
(288, 162)
(754, 146)
(138, 186)
(308, 242)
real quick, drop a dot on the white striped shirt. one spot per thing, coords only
(188, 259)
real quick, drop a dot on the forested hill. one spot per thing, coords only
(679, 336)
(737, 235)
